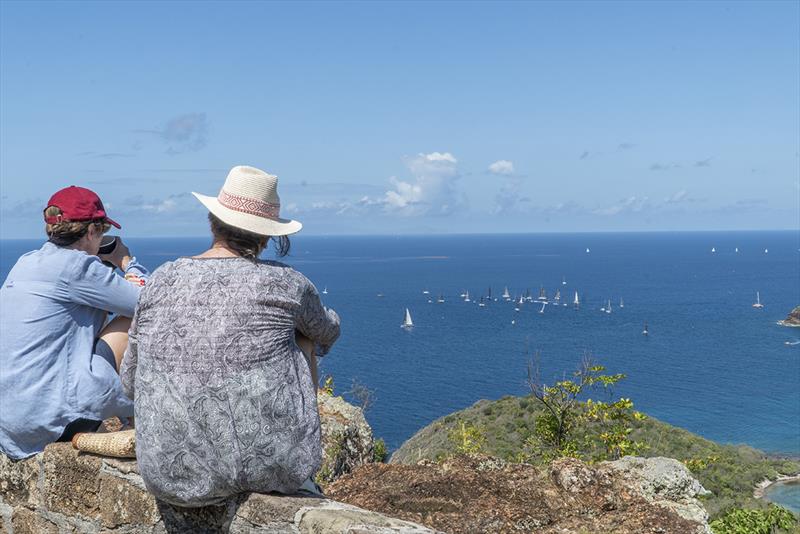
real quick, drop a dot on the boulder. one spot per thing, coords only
(346, 438)
(665, 482)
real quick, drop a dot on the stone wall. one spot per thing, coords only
(64, 491)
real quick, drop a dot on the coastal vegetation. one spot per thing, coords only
(516, 429)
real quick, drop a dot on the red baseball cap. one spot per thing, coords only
(78, 204)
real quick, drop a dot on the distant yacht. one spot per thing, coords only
(440, 299)
(577, 301)
(621, 303)
(380, 295)
(513, 321)
(758, 301)
(542, 295)
(543, 305)
(506, 295)
(325, 291)
(557, 297)
(645, 331)
(482, 303)
(587, 250)
(430, 301)
(466, 297)
(563, 281)
(407, 323)
(766, 251)
(713, 250)
(608, 308)
(736, 250)
(425, 292)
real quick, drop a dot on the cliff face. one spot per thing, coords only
(477, 494)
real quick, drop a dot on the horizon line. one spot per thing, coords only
(466, 234)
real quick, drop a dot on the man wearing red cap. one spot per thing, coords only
(59, 357)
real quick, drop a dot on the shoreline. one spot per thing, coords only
(761, 488)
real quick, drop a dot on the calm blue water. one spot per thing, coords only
(712, 363)
(786, 494)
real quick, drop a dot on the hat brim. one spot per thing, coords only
(252, 223)
(113, 223)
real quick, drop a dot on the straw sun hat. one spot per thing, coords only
(249, 200)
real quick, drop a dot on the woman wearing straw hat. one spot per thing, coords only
(224, 398)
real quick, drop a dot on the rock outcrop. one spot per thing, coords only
(793, 319)
(62, 490)
(346, 438)
(476, 494)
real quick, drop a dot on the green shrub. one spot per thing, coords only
(379, 451)
(742, 521)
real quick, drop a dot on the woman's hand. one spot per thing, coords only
(120, 255)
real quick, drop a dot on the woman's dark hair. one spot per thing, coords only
(246, 244)
(65, 233)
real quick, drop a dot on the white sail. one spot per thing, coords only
(577, 301)
(506, 294)
(558, 295)
(621, 303)
(608, 308)
(758, 301)
(563, 280)
(466, 297)
(407, 323)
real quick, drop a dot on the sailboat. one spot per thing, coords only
(542, 295)
(425, 292)
(466, 297)
(407, 323)
(766, 251)
(758, 301)
(543, 305)
(713, 250)
(325, 291)
(482, 303)
(621, 303)
(557, 297)
(563, 280)
(577, 301)
(506, 294)
(587, 250)
(608, 307)
(736, 250)
(440, 299)
(645, 331)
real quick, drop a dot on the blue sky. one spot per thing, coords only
(408, 117)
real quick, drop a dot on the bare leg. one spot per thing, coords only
(307, 347)
(116, 335)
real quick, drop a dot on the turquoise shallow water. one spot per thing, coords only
(711, 364)
(786, 494)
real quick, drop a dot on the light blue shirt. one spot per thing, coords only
(52, 307)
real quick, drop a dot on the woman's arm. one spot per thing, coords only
(94, 284)
(316, 322)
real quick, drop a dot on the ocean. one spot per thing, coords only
(711, 363)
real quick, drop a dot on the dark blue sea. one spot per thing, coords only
(712, 363)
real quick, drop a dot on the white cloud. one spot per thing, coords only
(502, 167)
(627, 205)
(431, 191)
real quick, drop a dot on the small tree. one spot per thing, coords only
(563, 411)
(362, 395)
(467, 438)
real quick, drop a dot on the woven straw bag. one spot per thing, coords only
(120, 444)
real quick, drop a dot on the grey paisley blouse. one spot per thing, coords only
(224, 399)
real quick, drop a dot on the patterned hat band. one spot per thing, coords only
(249, 205)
